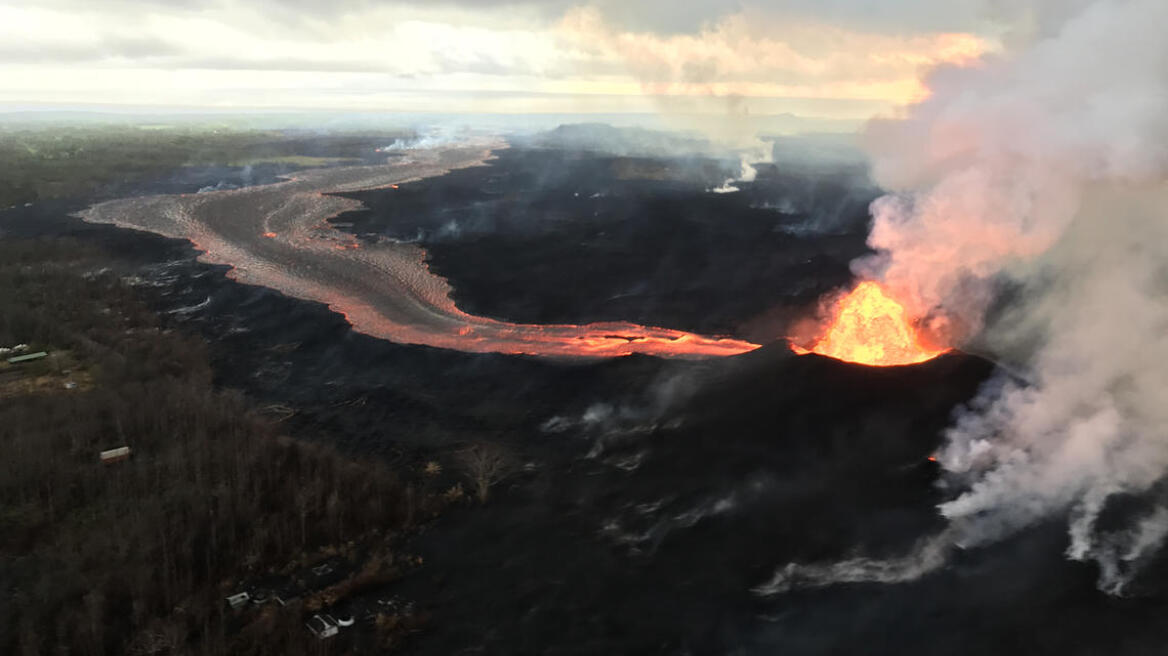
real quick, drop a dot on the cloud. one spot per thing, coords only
(691, 16)
(604, 48)
(124, 47)
(745, 49)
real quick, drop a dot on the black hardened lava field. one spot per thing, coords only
(628, 505)
(554, 236)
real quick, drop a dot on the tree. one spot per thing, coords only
(484, 465)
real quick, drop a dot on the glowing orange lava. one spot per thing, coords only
(279, 236)
(869, 327)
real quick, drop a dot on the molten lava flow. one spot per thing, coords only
(869, 327)
(279, 236)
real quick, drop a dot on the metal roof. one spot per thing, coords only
(25, 358)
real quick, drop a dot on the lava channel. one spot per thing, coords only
(278, 236)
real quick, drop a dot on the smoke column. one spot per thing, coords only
(1045, 166)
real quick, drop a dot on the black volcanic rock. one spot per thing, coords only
(652, 533)
(543, 236)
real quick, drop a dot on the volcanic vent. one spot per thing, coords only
(868, 326)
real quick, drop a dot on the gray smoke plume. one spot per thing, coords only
(1045, 166)
(1091, 422)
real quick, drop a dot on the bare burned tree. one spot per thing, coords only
(485, 464)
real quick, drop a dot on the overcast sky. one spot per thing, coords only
(821, 58)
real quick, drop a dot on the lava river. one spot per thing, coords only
(278, 236)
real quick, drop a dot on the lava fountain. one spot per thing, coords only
(870, 327)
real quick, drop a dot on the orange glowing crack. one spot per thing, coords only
(869, 327)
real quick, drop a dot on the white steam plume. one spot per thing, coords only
(747, 171)
(1047, 165)
(992, 166)
(1092, 422)
(929, 554)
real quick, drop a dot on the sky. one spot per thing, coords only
(826, 59)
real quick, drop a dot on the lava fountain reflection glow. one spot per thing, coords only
(868, 326)
(278, 236)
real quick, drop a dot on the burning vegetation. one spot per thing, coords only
(867, 326)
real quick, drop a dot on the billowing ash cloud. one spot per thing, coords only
(1047, 166)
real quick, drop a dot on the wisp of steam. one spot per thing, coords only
(1044, 167)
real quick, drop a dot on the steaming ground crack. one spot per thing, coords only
(929, 555)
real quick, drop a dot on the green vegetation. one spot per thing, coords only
(136, 557)
(60, 161)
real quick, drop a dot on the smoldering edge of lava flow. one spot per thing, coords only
(278, 236)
